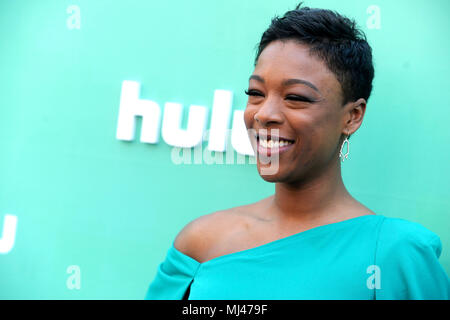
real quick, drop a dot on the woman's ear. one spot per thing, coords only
(353, 115)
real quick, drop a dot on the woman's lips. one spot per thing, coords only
(263, 151)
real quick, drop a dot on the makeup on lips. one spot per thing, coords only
(270, 144)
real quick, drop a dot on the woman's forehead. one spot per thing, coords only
(287, 54)
(282, 60)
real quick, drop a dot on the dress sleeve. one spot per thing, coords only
(408, 260)
(173, 277)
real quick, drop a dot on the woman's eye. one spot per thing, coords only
(253, 93)
(298, 98)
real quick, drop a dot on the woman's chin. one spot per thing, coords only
(272, 179)
(269, 173)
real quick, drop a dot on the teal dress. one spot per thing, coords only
(364, 258)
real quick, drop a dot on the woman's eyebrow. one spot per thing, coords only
(256, 77)
(287, 82)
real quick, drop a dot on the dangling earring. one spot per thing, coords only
(341, 155)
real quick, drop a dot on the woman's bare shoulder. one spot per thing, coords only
(200, 235)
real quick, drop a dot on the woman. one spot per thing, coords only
(311, 239)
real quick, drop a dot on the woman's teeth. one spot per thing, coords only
(274, 144)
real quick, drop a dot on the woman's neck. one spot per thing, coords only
(323, 197)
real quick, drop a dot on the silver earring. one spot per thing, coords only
(341, 155)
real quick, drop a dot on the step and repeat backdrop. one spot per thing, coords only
(94, 95)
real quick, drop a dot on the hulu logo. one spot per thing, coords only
(132, 106)
(8, 234)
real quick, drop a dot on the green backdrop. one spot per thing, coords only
(94, 215)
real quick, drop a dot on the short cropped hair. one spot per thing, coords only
(333, 38)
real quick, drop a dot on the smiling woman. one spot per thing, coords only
(311, 239)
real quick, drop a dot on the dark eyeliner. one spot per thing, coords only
(251, 92)
(298, 98)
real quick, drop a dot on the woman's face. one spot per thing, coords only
(308, 111)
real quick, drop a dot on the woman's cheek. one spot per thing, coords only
(248, 117)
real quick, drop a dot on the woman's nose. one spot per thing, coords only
(268, 113)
